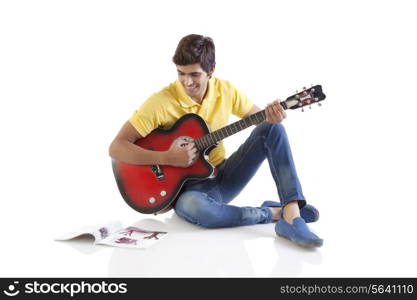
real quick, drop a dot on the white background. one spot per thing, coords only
(72, 72)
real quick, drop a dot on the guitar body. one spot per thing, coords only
(154, 189)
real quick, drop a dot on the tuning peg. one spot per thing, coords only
(302, 109)
(304, 88)
(319, 104)
(310, 106)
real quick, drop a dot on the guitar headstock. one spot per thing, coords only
(305, 97)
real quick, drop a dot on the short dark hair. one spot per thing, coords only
(193, 49)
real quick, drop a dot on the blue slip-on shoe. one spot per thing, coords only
(309, 213)
(298, 232)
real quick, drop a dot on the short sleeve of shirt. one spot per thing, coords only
(148, 116)
(241, 104)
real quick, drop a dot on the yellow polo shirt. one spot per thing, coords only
(165, 107)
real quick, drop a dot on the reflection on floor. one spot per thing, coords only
(192, 251)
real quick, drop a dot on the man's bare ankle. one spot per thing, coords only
(291, 211)
(276, 213)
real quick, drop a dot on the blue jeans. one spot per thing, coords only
(206, 202)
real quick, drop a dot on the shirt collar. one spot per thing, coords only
(185, 100)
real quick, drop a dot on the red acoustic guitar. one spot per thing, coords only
(154, 188)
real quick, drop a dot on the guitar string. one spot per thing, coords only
(220, 134)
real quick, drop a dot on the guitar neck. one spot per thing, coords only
(213, 137)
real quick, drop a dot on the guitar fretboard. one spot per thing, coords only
(213, 137)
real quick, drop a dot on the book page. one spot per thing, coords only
(98, 232)
(133, 237)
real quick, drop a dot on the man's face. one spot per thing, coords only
(194, 80)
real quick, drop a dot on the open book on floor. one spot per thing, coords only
(114, 234)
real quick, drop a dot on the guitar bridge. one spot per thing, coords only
(158, 172)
